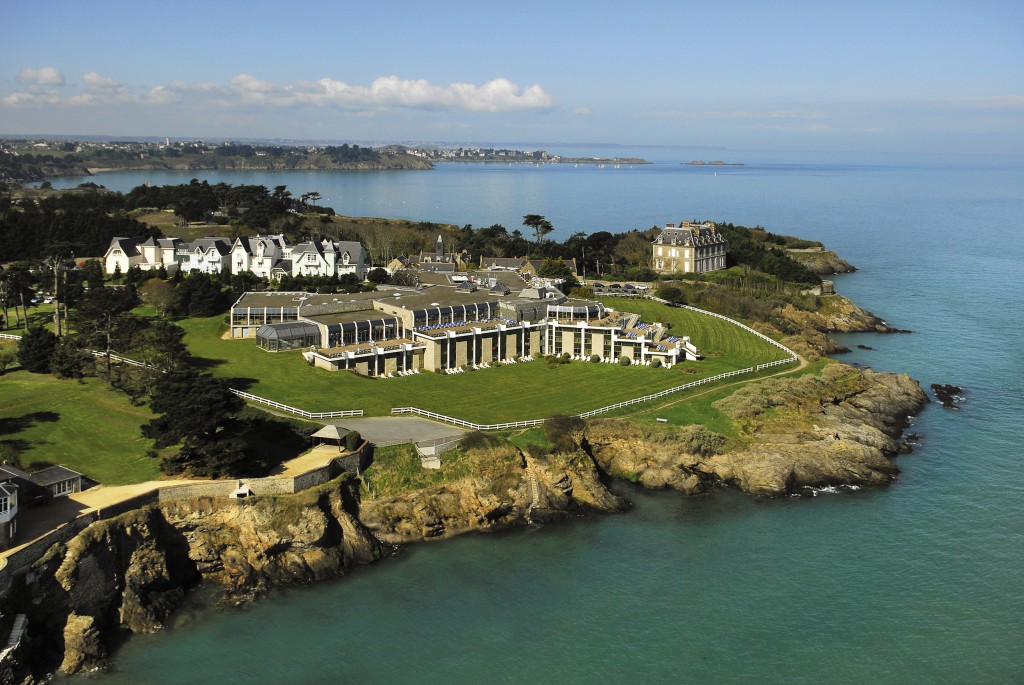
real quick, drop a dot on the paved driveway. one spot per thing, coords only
(391, 430)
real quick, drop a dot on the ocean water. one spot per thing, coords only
(918, 582)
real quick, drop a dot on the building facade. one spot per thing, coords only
(689, 248)
(267, 256)
(448, 329)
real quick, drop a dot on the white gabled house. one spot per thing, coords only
(147, 254)
(209, 255)
(328, 258)
(259, 255)
(122, 254)
(267, 256)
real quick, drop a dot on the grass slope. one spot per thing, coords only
(85, 426)
(502, 393)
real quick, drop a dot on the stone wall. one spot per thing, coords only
(17, 563)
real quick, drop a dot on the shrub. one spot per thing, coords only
(566, 357)
(656, 363)
(670, 293)
(353, 440)
(35, 350)
(564, 432)
(595, 358)
(477, 439)
(625, 361)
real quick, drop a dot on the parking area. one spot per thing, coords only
(393, 430)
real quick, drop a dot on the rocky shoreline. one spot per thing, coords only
(127, 574)
(124, 575)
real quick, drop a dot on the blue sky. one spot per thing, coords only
(875, 76)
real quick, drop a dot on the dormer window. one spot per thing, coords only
(344, 258)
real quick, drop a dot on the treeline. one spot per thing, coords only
(86, 222)
(760, 250)
(200, 200)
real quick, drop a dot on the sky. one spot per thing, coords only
(913, 76)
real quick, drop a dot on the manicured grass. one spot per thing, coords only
(503, 393)
(39, 316)
(83, 425)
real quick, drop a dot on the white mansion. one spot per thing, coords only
(267, 256)
(689, 248)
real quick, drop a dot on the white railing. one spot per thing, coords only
(791, 357)
(244, 395)
(301, 412)
(119, 358)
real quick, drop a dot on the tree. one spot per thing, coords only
(36, 349)
(556, 268)
(159, 345)
(104, 320)
(157, 293)
(191, 409)
(69, 358)
(377, 276)
(92, 273)
(60, 258)
(634, 249)
(540, 226)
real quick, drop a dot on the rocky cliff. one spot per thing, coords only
(519, 490)
(836, 315)
(127, 574)
(840, 428)
(822, 262)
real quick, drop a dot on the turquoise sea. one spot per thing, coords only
(918, 582)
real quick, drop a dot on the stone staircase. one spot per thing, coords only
(17, 630)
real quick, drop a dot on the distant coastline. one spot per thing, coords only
(717, 162)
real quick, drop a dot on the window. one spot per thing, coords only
(5, 505)
(311, 259)
(63, 487)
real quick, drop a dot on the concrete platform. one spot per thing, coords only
(393, 430)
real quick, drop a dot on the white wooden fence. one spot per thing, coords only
(301, 412)
(790, 358)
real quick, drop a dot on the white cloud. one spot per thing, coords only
(244, 90)
(47, 76)
(582, 111)
(93, 80)
(498, 95)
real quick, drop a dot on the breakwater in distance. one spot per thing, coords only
(916, 582)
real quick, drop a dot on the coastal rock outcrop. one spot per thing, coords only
(822, 262)
(837, 429)
(128, 573)
(507, 488)
(837, 314)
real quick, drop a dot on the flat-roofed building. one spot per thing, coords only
(448, 328)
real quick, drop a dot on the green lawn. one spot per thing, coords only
(502, 393)
(85, 426)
